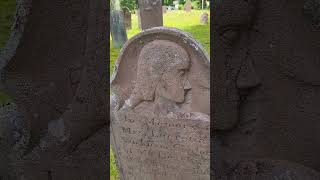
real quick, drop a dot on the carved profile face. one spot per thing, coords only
(162, 67)
(265, 78)
(162, 73)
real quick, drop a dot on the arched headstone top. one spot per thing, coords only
(164, 47)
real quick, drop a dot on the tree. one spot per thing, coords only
(130, 4)
(182, 2)
(167, 2)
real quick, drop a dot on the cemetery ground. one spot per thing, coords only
(188, 22)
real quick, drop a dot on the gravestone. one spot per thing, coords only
(150, 13)
(204, 18)
(160, 124)
(127, 18)
(188, 6)
(54, 68)
(117, 28)
(164, 9)
(266, 89)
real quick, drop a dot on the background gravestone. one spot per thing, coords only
(161, 131)
(127, 18)
(54, 67)
(204, 18)
(188, 6)
(118, 29)
(150, 12)
(266, 89)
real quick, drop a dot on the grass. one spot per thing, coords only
(188, 22)
(7, 12)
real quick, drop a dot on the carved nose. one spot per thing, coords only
(187, 85)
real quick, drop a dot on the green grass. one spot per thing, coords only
(189, 22)
(7, 12)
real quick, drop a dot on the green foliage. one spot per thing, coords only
(182, 2)
(167, 2)
(196, 4)
(130, 4)
(113, 169)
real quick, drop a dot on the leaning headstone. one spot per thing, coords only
(117, 29)
(160, 123)
(127, 18)
(164, 9)
(204, 18)
(188, 6)
(58, 91)
(150, 12)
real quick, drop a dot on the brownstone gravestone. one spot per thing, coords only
(266, 89)
(150, 13)
(54, 67)
(127, 18)
(139, 21)
(188, 6)
(204, 18)
(160, 107)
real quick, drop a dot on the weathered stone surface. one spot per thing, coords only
(160, 107)
(118, 29)
(14, 130)
(188, 6)
(54, 67)
(127, 18)
(266, 90)
(150, 12)
(139, 20)
(204, 18)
